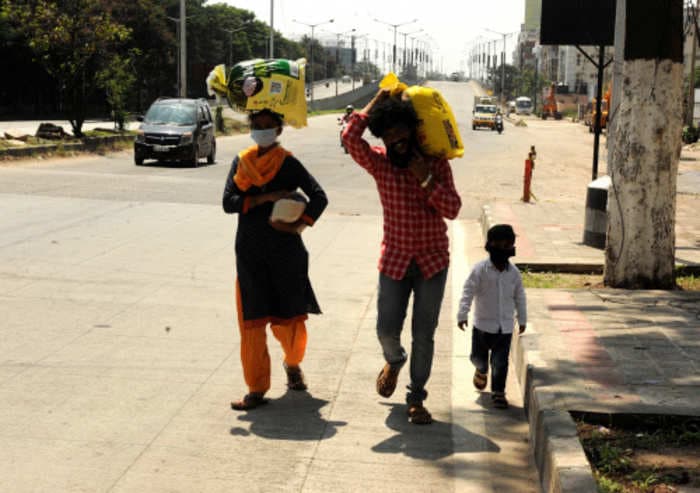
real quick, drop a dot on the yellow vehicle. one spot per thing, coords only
(604, 108)
(484, 115)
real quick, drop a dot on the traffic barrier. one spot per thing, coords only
(596, 222)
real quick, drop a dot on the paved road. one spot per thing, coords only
(120, 351)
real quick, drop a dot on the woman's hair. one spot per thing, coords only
(265, 111)
(390, 113)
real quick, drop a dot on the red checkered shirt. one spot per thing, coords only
(414, 227)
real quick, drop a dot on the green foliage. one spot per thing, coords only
(494, 78)
(690, 134)
(525, 83)
(73, 40)
(117, 79)
(607, 485)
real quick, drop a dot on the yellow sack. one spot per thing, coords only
(274, 84)
(438, 134)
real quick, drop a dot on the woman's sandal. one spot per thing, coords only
(295, 378)
(499, 400)
(479, 380)
(418, 415)
(249, 401)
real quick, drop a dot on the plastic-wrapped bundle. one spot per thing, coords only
(438, 134)
(276, 84)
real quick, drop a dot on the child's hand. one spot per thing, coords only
(522, 329)
(462, 324)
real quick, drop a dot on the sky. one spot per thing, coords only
(449, 28)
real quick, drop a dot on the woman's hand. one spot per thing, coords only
(381, 95)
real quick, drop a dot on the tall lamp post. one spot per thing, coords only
(337, 54)
(311, 65)
(404, 45)
(503, 63)
(230, 41)
(183, 50)
(395, 26)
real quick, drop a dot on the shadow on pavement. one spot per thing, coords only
(429, 442)
(294, 416)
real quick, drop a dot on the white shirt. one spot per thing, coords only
(496, 294)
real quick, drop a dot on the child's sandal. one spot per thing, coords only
(499, 400)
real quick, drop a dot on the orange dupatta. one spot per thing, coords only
(258, 170)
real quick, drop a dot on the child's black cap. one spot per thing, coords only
(500, 232)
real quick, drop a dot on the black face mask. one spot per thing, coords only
(500, 255)
(398, 159)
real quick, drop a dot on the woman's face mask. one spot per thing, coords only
(265, 137)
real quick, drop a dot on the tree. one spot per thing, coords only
(153, 35)
(511, 75)
(646, 140)
(72, 41)
(117, 79)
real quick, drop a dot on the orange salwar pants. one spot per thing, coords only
(254, 355)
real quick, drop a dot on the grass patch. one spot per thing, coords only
(233, 127)
(685, 280)
(558, 280)
(642, 453)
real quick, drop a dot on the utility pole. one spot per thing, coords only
(645, 149)
(395, 26)
(311, 49)
(272, 28)
(183, 50)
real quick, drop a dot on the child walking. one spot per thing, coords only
(496, 288)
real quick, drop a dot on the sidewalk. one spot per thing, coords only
(598, 350)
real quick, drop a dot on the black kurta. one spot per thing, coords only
(273, 266)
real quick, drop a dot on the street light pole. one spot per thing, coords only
(177, 38)
(230, 41)
(272, 28)
(337, 55)
(503, 63)
(311, 54)
(183, 50)
(395, 26)
(404, 45)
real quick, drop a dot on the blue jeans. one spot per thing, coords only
(392, 302)
(499, 345)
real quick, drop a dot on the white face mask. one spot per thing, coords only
(264, 138)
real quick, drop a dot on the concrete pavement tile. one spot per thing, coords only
(103, 351)
(212, 295)
(71, 407)
(255, 467)
(40, 464)
(176, 321)
(378, 476)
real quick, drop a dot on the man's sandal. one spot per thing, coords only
(249, 401)
(386, 380)
(479, 380)
(418, 415)
(499, 400)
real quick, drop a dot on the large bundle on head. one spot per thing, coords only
(276, 84)
(438, 134)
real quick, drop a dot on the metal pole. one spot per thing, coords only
(312, 67)
(272, 28)
(183, 50)
(599, 96)
(503, 72)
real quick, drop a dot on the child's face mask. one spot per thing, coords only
(500, 255)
